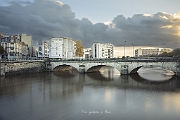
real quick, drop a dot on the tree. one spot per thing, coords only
(174, 53)
(79, 49)
(2, 51)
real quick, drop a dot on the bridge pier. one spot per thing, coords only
(124, 70)
(81, 69)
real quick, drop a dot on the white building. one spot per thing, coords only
(43, 50)
(146, 52)
(102, 50)
(87, 53)
(61, 47)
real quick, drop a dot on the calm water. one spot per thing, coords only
(95, 96)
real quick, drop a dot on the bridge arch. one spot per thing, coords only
(134, 71)
(95, 68)
(64, 67)
(55, 65)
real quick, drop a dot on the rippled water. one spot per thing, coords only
(93, 96)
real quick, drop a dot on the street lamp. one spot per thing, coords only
(133, 49)
(124, 49)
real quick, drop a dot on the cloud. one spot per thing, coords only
(149, 29)
(51, 18)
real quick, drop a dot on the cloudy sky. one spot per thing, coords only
(152, 23)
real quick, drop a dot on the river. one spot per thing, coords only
(104, 95)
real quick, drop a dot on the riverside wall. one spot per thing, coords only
(13, 68)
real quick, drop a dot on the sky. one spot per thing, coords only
(151, 23)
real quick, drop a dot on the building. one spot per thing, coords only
(24, 50)
(43, 50)
(61, 47)
(87, 53)
(102, 50)
(15, 49)
(27, 39)
(147, 52)
(35, 51)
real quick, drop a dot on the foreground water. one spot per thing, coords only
(94, 96)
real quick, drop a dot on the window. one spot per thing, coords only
(40, 48)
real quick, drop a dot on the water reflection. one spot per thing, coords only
(64, 96)
(149, 75)
(157, 74)
(133, 81)
(68, 73)
(139, 78)
(109, 72)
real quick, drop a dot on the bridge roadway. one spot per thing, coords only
(124, 66)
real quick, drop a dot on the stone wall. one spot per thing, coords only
(13, 68)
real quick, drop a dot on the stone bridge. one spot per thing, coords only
(124, 67)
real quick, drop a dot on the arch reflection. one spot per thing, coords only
(66, 74)
(155, 74)
(105, 73)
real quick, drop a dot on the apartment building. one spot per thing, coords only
(13, 46)
(102, 50)
(87, 53)
(61, 47)
(43, 50)
(27, 39)
(146, 52)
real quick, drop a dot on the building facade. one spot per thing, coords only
(27, 39)
(61, 47)
(35, 51)
(102, 50)
(87, 53)
(15, 49)
(146, 52)
(43, 50)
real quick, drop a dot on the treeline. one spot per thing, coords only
(174, 53)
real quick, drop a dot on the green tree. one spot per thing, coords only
(79, 48)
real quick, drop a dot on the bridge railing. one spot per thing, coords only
(157, 59)
(118, 60)
(19, 60)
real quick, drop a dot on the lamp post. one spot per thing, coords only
(133, 49)
(44, 48)
(124, 49)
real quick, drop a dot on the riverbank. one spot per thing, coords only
(14, 68)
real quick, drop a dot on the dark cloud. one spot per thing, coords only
(47, 18)
(155, 30)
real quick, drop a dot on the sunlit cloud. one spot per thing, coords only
(147, 15)
(60, 3)
(164, 17)
(108, 23)
(176, 15)
(167, 26)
